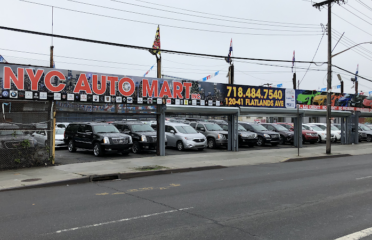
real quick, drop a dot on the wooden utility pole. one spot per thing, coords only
(294, 81)
(51, 57)
(329, 80)
(158, 62)
(231, 74)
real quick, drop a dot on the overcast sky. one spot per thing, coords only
(292, 25)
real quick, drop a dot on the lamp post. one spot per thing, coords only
(351, 48)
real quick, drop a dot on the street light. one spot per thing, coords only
(351, 48)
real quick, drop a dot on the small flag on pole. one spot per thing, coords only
(293, 59)
(356, 74)
(228, 58)
(148, 71)
(2, 59)
(210, 76)
(54, 64)
(156, 46)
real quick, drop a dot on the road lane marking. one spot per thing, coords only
(121, 220)
(172, 185)
(364, 178)
(357, 235)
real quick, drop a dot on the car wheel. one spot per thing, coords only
(125, 153)
(251, 145)
(97, 150)
(200, 149)
(260, 141)
(211, 143)
(312, 142)
(180, 146)
(71, 146)
(274, 144)
(135, 148)
(319, 139)
(303, 139)
(282, 141)
(369, 138)
(334, 140)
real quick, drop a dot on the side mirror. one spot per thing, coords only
(88, 132)
(172, 131)
(126, 131)
(202, 129)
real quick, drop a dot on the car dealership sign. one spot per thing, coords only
(35, 83)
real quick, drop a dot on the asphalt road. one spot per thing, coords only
(318, 199)
(63, 156)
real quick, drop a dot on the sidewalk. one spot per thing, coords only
(82, 172)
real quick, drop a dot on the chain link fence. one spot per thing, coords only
(26, 132)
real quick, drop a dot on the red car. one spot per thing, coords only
(307, 135)
(367, 102)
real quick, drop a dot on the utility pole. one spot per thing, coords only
(158, 62)
(51, 57)
(329, 80)
(294, 81)
(231, 74)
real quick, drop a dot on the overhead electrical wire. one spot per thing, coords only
(348, 45)
(359, 11)
(167, 25)
(351, 24)
(147, 49)
(352, 42)
(182, 20)
(364, 5)
(352, 73)
(357, 16)
(228, 20)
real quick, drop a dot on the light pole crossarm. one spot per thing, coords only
(351, 48)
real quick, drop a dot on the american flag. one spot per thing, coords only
(228, 59)
(148, 71)
(293, 59)
(356, 74)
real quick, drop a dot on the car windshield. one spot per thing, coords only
(321, 127)
(280, 127)
(186, 129)
(287, 126)
(241, 128)
(142, 128)
(60, 131)
(105, 129)
(334, 128)
(307, 92)
(316, 128)
(347, 96)
(258, 127)
(338, 127)
(213, 127)
(323, 93)
(365, 128)
(10, 132)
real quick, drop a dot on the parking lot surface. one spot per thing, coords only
(63, 156)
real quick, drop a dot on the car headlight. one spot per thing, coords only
(188, 138)
(106, 140)
(255, 135)
(219, 136)
(130, 139)
(143, 138)
(308, 134)
(266, 135)
(244, 135)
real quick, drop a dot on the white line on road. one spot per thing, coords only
(357, 235)
(121, 220)
(364, 178)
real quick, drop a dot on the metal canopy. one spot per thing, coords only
(271, 112)
(323, 113)
(365, 114)
(200, 110)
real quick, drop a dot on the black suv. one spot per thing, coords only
(264, 135)
(285, 134)
(100, 137)
(245, 137)
(143, 135)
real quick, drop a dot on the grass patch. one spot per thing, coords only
(151, 168)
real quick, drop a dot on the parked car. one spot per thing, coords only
(218, 121)
(367, 102)
(286, 136)
(322, 134)
(357, 101)
(62, 124)
(306, 97)
(320, 99)
(183, 136)
(307, 135)
(144, 137)
(334, 130)
(264, 136)
(41, 137)
(367, 130)
(245, 137)
(100, 137)
(363, 133)
(216, 136)
(14, 142)
(344, 101)
(334, 98)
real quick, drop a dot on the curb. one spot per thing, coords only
(107, 177)
(315, 158)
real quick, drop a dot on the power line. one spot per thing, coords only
(210, 24)
(312, 59)
(364, 5)
(357, 16)
(166, 25)
(359, 52)
(229, 17)
(359, 11)
(351, 24)
(352, 73)
(146, 48)
(352, 42)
